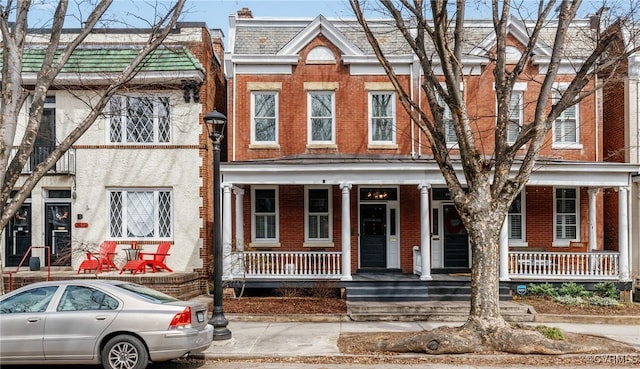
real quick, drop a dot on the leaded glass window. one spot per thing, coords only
(140, 119)
(140, 214)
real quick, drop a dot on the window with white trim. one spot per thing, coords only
(566, 214)
(516, 108)
(449, 131)
(566, 126)
(382, 119)
(265, 214)
(264, 116)
(516, 219)
(140, 119)
(321, 117)
(318, 214)
(140, 213)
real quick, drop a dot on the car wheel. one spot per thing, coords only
(124, 352)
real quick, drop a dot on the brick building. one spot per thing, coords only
(327, 177)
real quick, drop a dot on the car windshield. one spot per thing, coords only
(147, 293)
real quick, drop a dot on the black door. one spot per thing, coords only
(456, 239)
(373, 236)
(58, 232)
(18, 236)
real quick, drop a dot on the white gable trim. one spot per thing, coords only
(320, 25)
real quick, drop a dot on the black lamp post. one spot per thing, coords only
(217, 122)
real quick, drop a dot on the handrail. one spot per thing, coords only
(48, 255)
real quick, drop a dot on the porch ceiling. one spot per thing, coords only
(398, 171)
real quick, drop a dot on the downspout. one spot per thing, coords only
(235, 116)
(411, 86)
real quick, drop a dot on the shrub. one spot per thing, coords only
(544, 289)
(551, 333)
(607, 289)
(574, 290)
(569, 300)
(603, 301)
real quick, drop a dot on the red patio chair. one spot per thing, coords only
(102, 260)
(153, 260)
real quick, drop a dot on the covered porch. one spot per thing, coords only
(416, 180)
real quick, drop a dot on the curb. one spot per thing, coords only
(275, 318)
(588, 319)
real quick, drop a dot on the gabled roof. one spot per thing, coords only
(318, 26)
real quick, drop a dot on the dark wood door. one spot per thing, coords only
(373, 236)
(456, 239)
(18, 236)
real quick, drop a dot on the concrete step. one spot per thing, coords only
(448, 311)
(395, 291)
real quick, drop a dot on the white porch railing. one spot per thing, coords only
(286, 265)
(554, 265)
(572, 265)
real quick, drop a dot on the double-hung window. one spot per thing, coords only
(566, 214)
(516, 219)
(566, 126)
(140, 213)
(265, 214)
(515, 116)
(318, 217)
(140, 119)
(447, 120)
(382, 117)
(264, 117)
(321, 117)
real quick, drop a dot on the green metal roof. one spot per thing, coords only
(114, 60)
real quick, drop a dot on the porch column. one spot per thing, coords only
(593, 192)
(346, 231)
(425, 232)
(227, 263)
(504, 250)
(623, 232)
(239, 192)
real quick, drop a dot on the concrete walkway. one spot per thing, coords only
(260, 339)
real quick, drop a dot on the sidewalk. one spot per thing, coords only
(260, 339)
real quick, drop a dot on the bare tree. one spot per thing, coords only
(15, 94)
(490, 178)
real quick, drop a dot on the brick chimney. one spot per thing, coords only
(245, 13)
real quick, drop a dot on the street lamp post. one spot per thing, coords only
(217, 121)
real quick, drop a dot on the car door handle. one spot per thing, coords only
(33, 320)
(101, 317)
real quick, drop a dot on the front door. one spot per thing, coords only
(456, 239)
(373, 236)
(58, 232)
(18, 236)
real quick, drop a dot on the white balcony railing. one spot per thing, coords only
(574, 265)
(65, 165)
(286, 265)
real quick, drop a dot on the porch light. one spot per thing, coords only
(217, 121)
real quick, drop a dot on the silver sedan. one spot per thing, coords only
(115, 323)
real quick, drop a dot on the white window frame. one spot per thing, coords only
(564, 242)
(518, 242)
(265, 242)
(519, 95)
(275, 94)
(392, 141)
(558, 142)
(318, 242)
(310, 95)
(156, 218)
(123, 116)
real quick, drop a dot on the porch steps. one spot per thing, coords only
(441, 311)
(414, 290)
